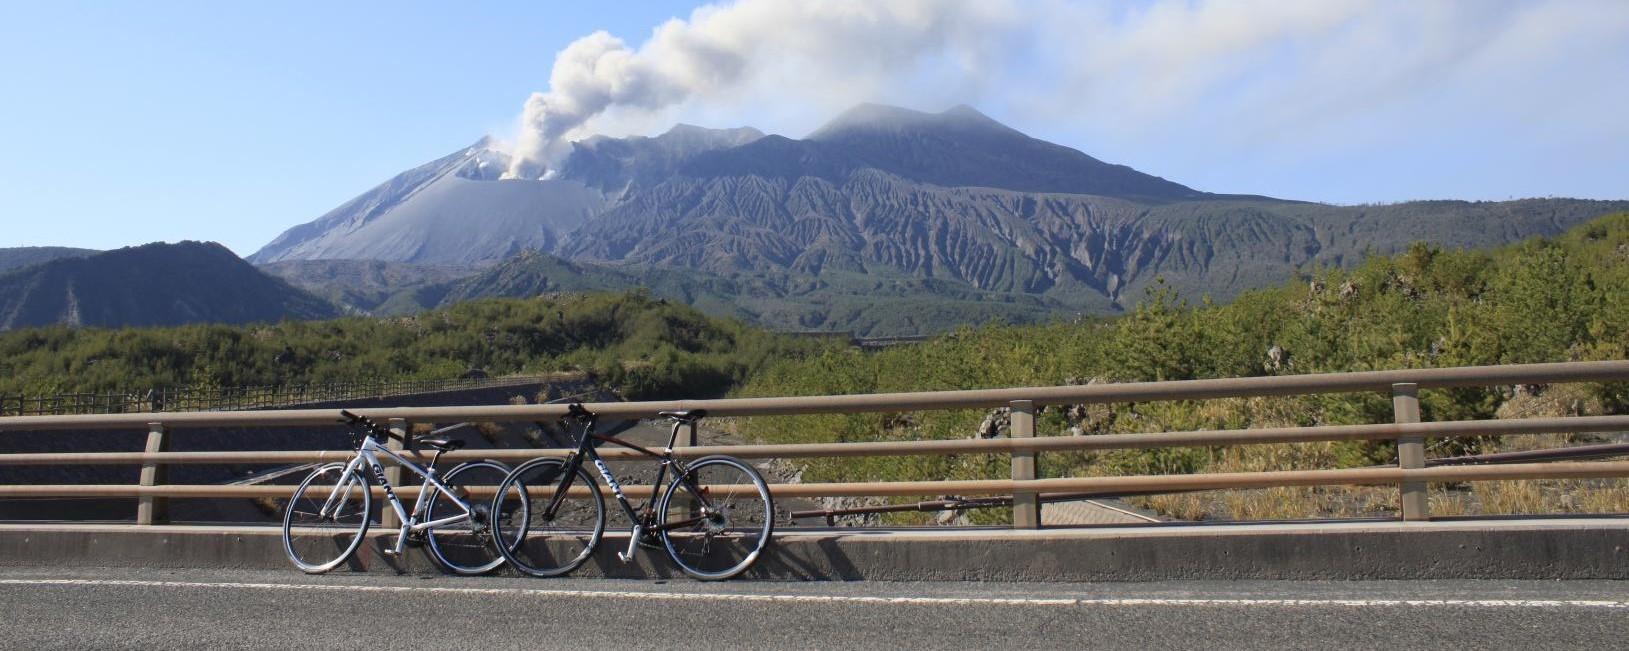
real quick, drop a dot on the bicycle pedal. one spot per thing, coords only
(390, 552)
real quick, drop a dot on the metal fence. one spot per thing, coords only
(1412, 473)
(247, 397)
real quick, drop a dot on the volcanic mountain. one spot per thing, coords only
(942, 216)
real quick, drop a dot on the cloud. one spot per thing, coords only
(841, 51)
(1212, 74)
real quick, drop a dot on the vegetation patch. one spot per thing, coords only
(1543, 300)
(646, 347)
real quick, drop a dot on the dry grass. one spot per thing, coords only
(1527, 497)
(1283, 503)
(1533, 497)
(1317, 502)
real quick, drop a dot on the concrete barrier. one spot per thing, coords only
(1573, 548)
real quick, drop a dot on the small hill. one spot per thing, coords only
(151, 285)
(24, 256)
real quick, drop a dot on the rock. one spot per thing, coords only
(1277, 358)
(997, 423)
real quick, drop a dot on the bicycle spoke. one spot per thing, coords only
(317, 543)
(716, 535)
(466, 545)
(551, 545)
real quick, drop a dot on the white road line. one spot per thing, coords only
(842, 599)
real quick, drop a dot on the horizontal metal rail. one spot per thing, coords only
(1084, 485)
(1411, 474)
(880, 402)
(250, 397)
(1194, 438)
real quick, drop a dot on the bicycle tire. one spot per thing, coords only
(464, 547)
(547, 548)
(344, 536)
(743, 530)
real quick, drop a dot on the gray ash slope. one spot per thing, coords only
(450, 211)
(885, 220)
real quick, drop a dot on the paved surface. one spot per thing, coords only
(123, 608)
(1541, 549)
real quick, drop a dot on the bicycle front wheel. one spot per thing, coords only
(716, 518)
(327, 518)
(549, 544)
(468, 546)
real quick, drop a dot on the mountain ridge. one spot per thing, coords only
(150, 285)
(953, 204)
(27, 256)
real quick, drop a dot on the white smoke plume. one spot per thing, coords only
(722, 48)
(1216, 78)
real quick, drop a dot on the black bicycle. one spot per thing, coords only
(713, 518)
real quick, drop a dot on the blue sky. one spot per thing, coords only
(124, 123)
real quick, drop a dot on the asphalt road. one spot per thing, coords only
(122, 608)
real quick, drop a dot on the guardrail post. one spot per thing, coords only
(153, 510)
(393, 472)
(1405, 404)
(1026, 506)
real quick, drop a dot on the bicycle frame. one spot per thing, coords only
(368, 453)
(643, 522)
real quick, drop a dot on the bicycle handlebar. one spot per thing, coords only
(374, 429)
(576, 410)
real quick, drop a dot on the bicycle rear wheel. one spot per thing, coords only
(549, 544)
(716, 518)
(318, 540)
(468, 546)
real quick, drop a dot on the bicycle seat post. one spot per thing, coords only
(683, 418)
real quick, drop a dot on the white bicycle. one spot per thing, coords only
(328, 517)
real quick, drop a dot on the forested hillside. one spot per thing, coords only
(1542, 300)
(645, 346)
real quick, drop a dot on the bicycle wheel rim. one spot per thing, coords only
(550, 547)
(468, 547)
(724, 544)
(316, 544)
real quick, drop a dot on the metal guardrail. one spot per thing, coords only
(1412, 473)
(245, 397)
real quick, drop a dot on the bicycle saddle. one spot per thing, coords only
(684, 416)
(444, 445)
